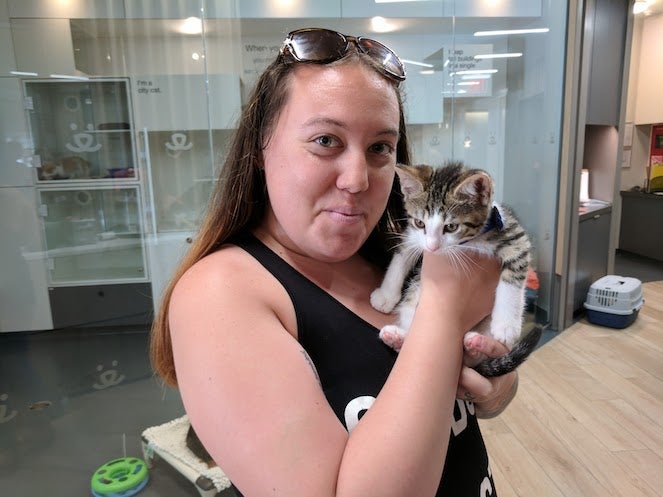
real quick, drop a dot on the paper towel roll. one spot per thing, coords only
(584, 186)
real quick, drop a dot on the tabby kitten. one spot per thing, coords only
(451, 209)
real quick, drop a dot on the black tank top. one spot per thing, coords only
(353, 364)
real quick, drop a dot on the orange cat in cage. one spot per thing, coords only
(71, 167)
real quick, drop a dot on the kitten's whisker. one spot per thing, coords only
(461, 260)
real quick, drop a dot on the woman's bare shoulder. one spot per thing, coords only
(227, 283)
(220, 267)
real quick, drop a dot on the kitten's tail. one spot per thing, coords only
(521, 350)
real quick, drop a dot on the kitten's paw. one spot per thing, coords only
(469, 339)
(507, 334)
(393, 336)
(382, 301)
(472, 345)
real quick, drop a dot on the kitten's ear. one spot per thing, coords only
(413, 178)
(477, 187)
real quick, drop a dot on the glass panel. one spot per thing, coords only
(133, 88)
(181, 176)
(93, 235)
(145, 97)
(81, 130)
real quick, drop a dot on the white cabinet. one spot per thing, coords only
(24, 301)
(649, 98)
(93, 235)
(89, 193)
(43, 46)
(606, 30)
(182, 167)
(81, 130)
(15, 148)
(180, 101)
(7, 60)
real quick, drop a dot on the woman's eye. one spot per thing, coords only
(326, 141)
(382, 148)
(419, 224)
(450, 228)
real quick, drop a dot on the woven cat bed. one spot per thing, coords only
(168, 441)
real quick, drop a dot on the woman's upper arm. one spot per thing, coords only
(247, 385)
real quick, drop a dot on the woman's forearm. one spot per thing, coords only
(408, 426)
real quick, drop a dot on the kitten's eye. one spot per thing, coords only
(419, 224)
(450, 228)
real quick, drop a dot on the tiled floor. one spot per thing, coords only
(72, 400)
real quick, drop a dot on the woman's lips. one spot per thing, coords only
(345, 214)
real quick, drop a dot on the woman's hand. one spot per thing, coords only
(490, 395)
(466, 284)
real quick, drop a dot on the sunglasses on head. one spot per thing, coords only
(322, 46)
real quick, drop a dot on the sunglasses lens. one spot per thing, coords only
(319, 45)
(384, 56)
(324, 45)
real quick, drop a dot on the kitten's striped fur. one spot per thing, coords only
(451, 209)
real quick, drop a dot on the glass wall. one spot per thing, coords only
(132, 105)
(115, 118)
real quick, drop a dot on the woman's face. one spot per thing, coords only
(329, 164)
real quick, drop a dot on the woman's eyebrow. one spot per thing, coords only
(323, 120)
(335, 122)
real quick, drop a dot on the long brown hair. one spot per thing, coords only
(240, 196)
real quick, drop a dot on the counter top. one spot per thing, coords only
(593, 208)
(643, 195)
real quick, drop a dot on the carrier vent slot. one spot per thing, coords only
(607, 298)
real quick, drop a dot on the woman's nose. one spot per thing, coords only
(353, 174)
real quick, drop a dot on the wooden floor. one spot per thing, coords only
(588, 417)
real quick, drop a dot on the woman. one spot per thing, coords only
(267, 328)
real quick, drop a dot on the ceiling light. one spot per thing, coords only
(498, 55)
(467, 83)
(474, 71)
(640, 6)
(23, 73)
(191, 26)
(476, 76)
(69, 76)
(511, 32)
(414, 62)
(381, 25)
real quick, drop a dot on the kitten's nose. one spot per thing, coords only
(432, 245)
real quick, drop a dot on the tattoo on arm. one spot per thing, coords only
(310, 363)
